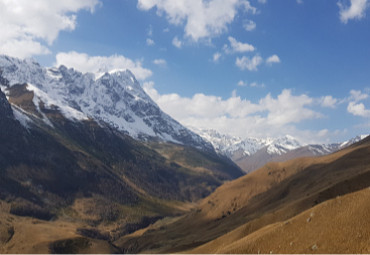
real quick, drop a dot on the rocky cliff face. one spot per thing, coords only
(5, 109)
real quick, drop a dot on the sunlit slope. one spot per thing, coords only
(275, 193)
(339, 225)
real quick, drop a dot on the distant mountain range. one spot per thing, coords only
(302, 206)
(252, 153)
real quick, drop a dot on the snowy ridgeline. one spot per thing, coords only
(114, 97)
(229, 145)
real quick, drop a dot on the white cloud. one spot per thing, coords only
(95, 64)
(176, 42)
(357, 95)
(356, 10)
(358, 109)
(160, 62)
(245, 63)
(355, 107)
(27, 27)
(237, 47)
(201, 18)
(252, 84)
(257, 85)
(328, 101)
(216, 57)
(242, 84)
(149, 42)
(273, 59)
(23, 48)
(262, 1)
(287, 108)
(150, 31)
(249, 25)
(270, 116)
(299, 1)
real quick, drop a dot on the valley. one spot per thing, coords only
(90, 164)
(265, 210)
(184, 127)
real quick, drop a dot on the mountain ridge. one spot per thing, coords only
(252, 153)
(60, 166)
(115, 98)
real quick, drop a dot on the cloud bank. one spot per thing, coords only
(202, 19)
(29, 27)
(270, 116)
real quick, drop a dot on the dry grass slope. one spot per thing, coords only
(28, 235)
(339, 225)
(260, 202)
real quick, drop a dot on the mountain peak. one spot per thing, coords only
(352, 141)
(115, 98)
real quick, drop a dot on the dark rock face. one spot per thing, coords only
(3, 81)
(5, 108)
(10, 129)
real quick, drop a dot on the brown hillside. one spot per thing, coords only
(30, 235)
(340, 225)
(275, 193)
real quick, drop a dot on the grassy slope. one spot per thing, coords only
(339, 225)
(327, 178)
(273, 194)
(29, 235)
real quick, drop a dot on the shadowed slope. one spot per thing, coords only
(90, 175)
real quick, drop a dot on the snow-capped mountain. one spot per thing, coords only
(114, 97)
(352, 141)
(231, 145)
(252, 153)
(323, 149)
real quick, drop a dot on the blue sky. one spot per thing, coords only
(247, 68)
